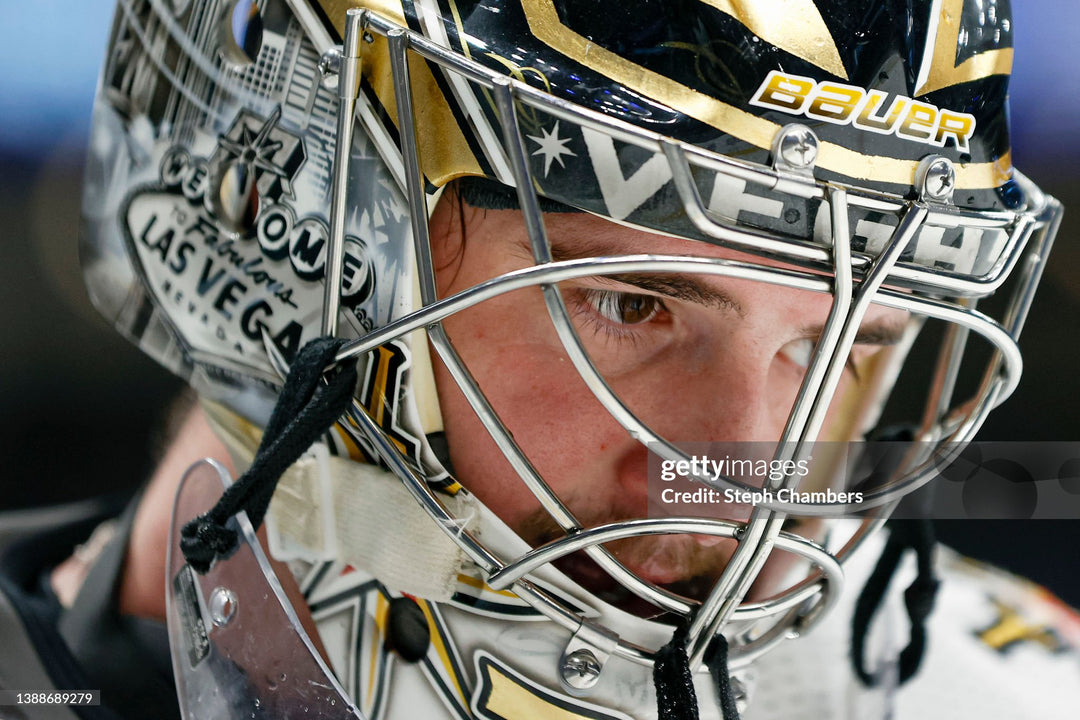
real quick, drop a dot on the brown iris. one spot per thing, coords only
(624, 308)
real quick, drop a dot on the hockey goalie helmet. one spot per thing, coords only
(264, 173)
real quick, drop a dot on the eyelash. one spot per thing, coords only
(594, 302)
(601, 307)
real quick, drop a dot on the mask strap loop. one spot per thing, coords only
(716, 658)
(674, 682)
(917, 535)
(306, 408)
(675, 696)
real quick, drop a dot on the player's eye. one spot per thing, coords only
(624, 308)
(800, 351)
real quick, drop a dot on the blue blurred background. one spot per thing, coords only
(79, 408)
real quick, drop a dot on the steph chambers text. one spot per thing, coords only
(705, 495)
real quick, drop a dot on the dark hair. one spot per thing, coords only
(480, 192)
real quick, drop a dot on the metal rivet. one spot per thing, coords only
(797, 147)
(330, 67)
(234, 195)
(242, 32)
(223, 604)
(936, 178)
(580, 669)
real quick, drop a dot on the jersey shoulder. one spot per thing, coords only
(998, 646)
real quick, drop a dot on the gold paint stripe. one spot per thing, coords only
(510, 699)
(377, 409)
(545, 25)
(1011, 627)
(378, 389)
(456, 14)
(381, 608)
(372, 671)
(444, 151)
(944, 72)
(481, 585)
(346, 439)
(1008, 629)
(440, 648)
(795, 26)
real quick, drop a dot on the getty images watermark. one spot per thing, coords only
(986, 480)
(710, 470)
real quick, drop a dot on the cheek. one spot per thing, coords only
(538, 396)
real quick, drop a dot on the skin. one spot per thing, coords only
(659, 343)
(142, 580)
(721, 361)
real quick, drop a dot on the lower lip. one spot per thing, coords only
(586, 572)
(657, 576)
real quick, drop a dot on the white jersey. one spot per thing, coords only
(998, 647)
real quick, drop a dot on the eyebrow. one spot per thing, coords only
(880, 332)
(690, 289)
(677, 286)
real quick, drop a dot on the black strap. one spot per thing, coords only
(674, 683)
(676, 698)
(917, 535)
(306, 408)
(716, 658)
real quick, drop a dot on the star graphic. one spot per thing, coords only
(255, 148)
(552, 147)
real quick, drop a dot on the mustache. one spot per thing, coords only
(679, 562)
(684, 564)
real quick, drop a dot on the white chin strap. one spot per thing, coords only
(331, 508)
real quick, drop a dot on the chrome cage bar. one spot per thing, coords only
(853, 280)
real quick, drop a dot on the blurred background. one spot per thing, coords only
(80, 409)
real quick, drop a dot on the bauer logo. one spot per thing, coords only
(871, 110)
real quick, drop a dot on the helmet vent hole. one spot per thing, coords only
(235, 198)
(242, 32)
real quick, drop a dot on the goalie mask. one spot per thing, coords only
(636, 237)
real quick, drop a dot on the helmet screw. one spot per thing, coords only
(580, 669)
(797, 147)
(330, 67)
(936, 178)
(223, 604)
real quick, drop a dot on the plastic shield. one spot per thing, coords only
(238, 647)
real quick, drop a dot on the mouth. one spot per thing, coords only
(687, 565)
(684, 568)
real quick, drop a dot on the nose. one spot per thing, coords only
(736, 390)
